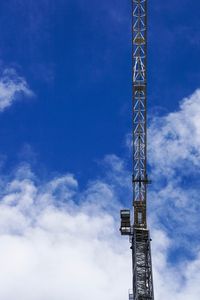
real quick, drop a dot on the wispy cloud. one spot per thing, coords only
(12, 88)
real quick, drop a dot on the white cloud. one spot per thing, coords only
(174, 281)
(51, 249)
(60, 242)
(174, 153)
(12, 87)
(175, 138)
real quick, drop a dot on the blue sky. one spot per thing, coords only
(65, 155)
(75, 56)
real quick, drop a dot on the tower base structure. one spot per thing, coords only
(142, 266)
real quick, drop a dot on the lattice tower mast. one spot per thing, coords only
(138, 231)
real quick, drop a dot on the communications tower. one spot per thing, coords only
(137, 230)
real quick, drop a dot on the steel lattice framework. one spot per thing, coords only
(139, 99)
(138, 232)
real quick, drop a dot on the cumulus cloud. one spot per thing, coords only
(12, 88)
(52, 247)
(60, 242)
(179, 281)
(174, 155)
(57, 241)
(175, 138)
(174, 207)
